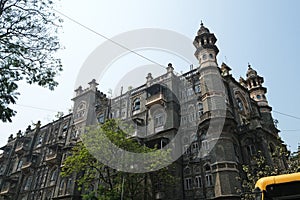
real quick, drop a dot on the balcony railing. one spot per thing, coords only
(155, 99)
(21, 148)
(27, 166)
(52, 158)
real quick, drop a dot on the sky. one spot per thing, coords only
(262, 33)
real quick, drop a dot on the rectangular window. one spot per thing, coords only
(188, 183)
(158, 120)
(198, 182)
(197, 89)
(195, 147)
(205, 145)
(200, 108)
(251, 150)
(208, 178)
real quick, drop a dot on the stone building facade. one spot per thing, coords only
(222, 123)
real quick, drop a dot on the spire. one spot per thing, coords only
(202, 29)
(254, 84)
(205, 45)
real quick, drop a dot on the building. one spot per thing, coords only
(222, 123)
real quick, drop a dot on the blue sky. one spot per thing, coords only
(263, 33)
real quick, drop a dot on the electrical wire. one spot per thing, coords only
(37, 108)
(109, 39)
(292, 116)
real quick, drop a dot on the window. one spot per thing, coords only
(136, 104)
(198, 182)
(69, 186)
(200, 108)
(20, 164)
(28, 183)
(208, 178)
(251, 150)
(190, 92)
(40, 140)
(187, 170)
(195, 147)
(61, 187)
(258, 96)
(186, 149)
(101, 118)
(80, 110)
(53, 177)
(205, 144)
(159, 120)
(240, 104)
(188, 183)
(197, 89)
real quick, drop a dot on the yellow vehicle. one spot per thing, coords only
(286, 186)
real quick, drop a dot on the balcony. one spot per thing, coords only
(21, 149)
(217, 114)
(155, 99)
(52, 158)
(6, 191)
(27, 166)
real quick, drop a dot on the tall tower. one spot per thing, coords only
(256, 89)
(254, 83)
(212, 87)
(216, 128)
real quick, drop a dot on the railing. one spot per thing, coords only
(155, 99)
(51, 157)
(26, 165)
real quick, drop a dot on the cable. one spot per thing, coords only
(103, 36)
(286, 114)
(294, 130)
(37, 108)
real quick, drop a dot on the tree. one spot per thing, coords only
(28, 42)
(282, 163)
(110, 183)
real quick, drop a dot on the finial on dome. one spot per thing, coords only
(201, 23)
(249, 65)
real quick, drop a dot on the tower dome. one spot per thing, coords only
(250, 72)
(202, 29)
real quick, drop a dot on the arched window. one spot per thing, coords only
(69, 186)
(136, 104)
(61, 190)
(240, 104)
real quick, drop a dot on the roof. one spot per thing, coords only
(285, 178)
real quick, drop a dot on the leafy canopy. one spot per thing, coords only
(28, 42)
(95, 179)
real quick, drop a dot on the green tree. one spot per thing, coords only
(282, 162)
(110, 183)
(28, 42)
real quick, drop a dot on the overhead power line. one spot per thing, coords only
(288, 115)
(37, 108)
(109, 39)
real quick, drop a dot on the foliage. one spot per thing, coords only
(28, 41)
(282, 163)
(95, 179)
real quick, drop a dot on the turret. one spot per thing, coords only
(254, 83)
